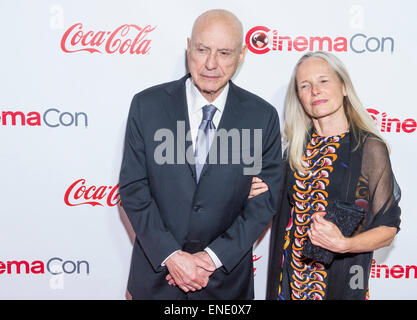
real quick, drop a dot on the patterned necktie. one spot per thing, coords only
(205, 135)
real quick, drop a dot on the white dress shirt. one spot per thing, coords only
(195, 102)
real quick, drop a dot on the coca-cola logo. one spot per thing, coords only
(78, 193)
(128, 38)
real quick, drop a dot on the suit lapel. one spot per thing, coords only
(177, 109)
(230, 115)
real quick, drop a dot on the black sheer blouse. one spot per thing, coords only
(339, 171)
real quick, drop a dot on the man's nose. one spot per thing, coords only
(211, 62)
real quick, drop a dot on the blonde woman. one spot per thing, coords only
(337, 166)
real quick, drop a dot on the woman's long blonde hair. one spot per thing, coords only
(298, 124)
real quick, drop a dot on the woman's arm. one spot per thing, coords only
(371, 240)
(384, 195)
(257, 187)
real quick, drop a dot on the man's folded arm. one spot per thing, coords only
(155, 239)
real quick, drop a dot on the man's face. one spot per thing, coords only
(214, 53)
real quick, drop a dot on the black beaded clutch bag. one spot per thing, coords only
(346, 216)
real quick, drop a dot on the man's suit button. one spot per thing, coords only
(196, 208)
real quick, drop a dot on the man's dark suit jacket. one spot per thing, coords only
(169, 210)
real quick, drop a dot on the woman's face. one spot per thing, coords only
(319, 89)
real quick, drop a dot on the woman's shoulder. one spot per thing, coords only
(375, 152)
(374, 144)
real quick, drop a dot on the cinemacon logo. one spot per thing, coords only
(261, 40)
(128, 38)
(52, 118)
(53, 266)
(379, 271)
(389, 124)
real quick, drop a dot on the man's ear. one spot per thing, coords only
(243, 54)
(188, 51)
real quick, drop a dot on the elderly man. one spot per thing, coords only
(194, 222)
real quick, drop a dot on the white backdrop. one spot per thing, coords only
(65, 96)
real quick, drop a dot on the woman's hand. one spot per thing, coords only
(257, 187)
(326, 234)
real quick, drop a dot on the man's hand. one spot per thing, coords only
(190, 272)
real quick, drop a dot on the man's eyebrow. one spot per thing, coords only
(207, 47)
(199, 45)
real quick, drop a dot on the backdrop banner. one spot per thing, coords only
(69, 70)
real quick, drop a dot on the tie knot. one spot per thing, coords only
(208, 112)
